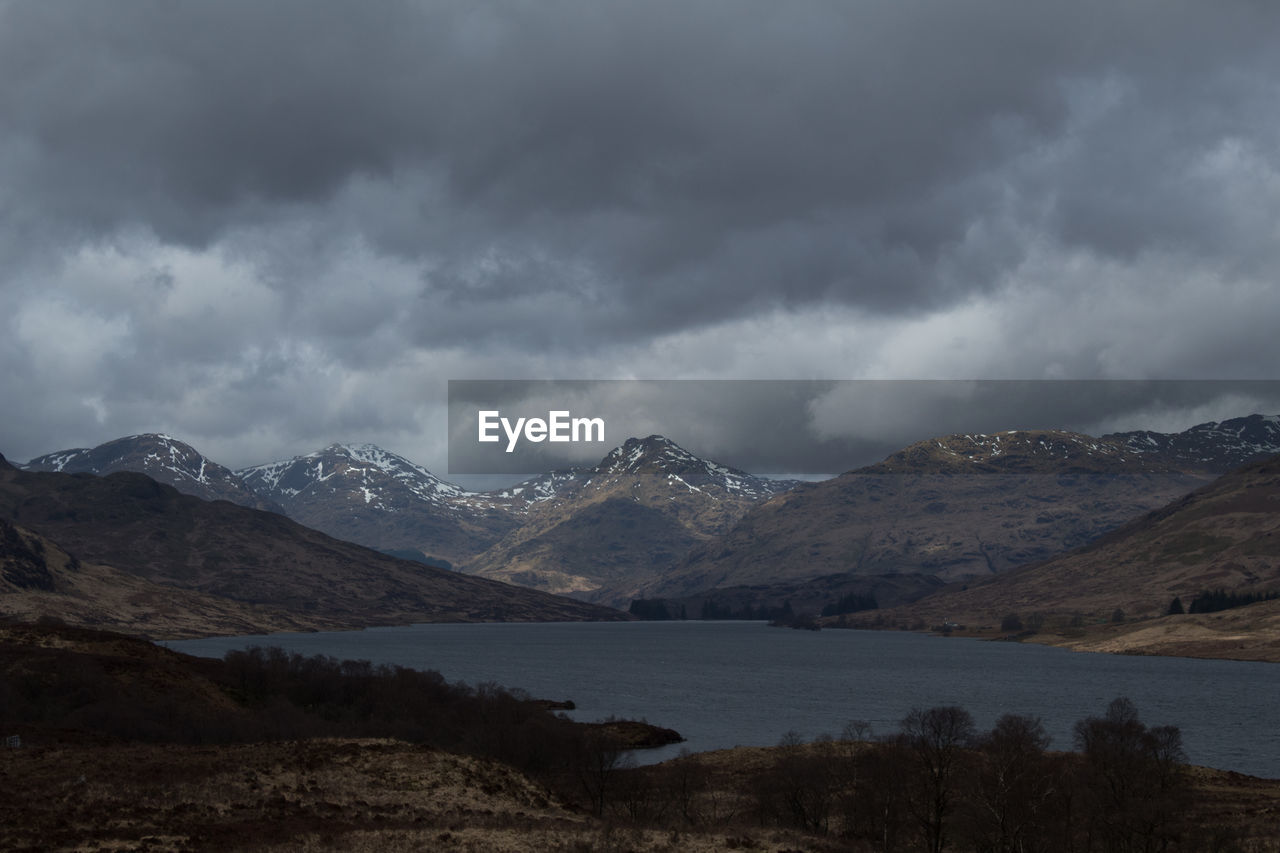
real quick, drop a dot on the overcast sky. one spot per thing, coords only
(265, 227)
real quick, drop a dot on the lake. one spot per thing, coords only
(722, 684)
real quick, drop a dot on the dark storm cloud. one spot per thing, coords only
(300, 214)
(749, 153)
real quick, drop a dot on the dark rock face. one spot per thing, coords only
(22, 560)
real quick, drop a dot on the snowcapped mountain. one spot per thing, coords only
(599, 533)
(1210, 448)
(651, 509)
(382, 479)
(1215, 446)
(367, 495)
(639, 458)
(664, 458)
(162, 458)
(1016, 451)
(551, 486)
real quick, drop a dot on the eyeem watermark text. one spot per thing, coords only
(558, 426)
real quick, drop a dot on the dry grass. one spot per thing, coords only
(380, 795)
(356, 795)
(1245, 633)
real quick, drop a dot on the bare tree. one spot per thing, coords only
(1012, 787)
(935, 741)
(1134, 777)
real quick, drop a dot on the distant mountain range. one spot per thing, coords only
(654, 521)
(596, 532)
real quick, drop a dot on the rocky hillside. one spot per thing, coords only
(955, 507)
(150, 531)
(1225, 535)
(38, 579)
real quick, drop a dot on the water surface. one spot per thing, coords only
(722, 684)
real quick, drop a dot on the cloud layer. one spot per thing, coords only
(264, 227)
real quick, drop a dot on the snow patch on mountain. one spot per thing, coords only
(377, 477)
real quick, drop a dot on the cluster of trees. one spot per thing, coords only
(851, 603)
(715, 610)
(937, 784)
(300, 696)
(277, 695)
(655, 610)
(1211, 601)
(660, 609)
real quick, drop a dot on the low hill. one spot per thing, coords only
(38, 579)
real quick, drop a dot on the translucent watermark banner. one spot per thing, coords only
(806, 427)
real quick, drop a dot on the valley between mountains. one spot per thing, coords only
(1056, 529)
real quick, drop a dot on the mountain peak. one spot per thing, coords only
(653, 450)
(377, 476)
(153, 436)
(660, 458)
(360, 452)
(648, 443)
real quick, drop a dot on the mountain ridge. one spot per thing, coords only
(654, 520)
(967, 505)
